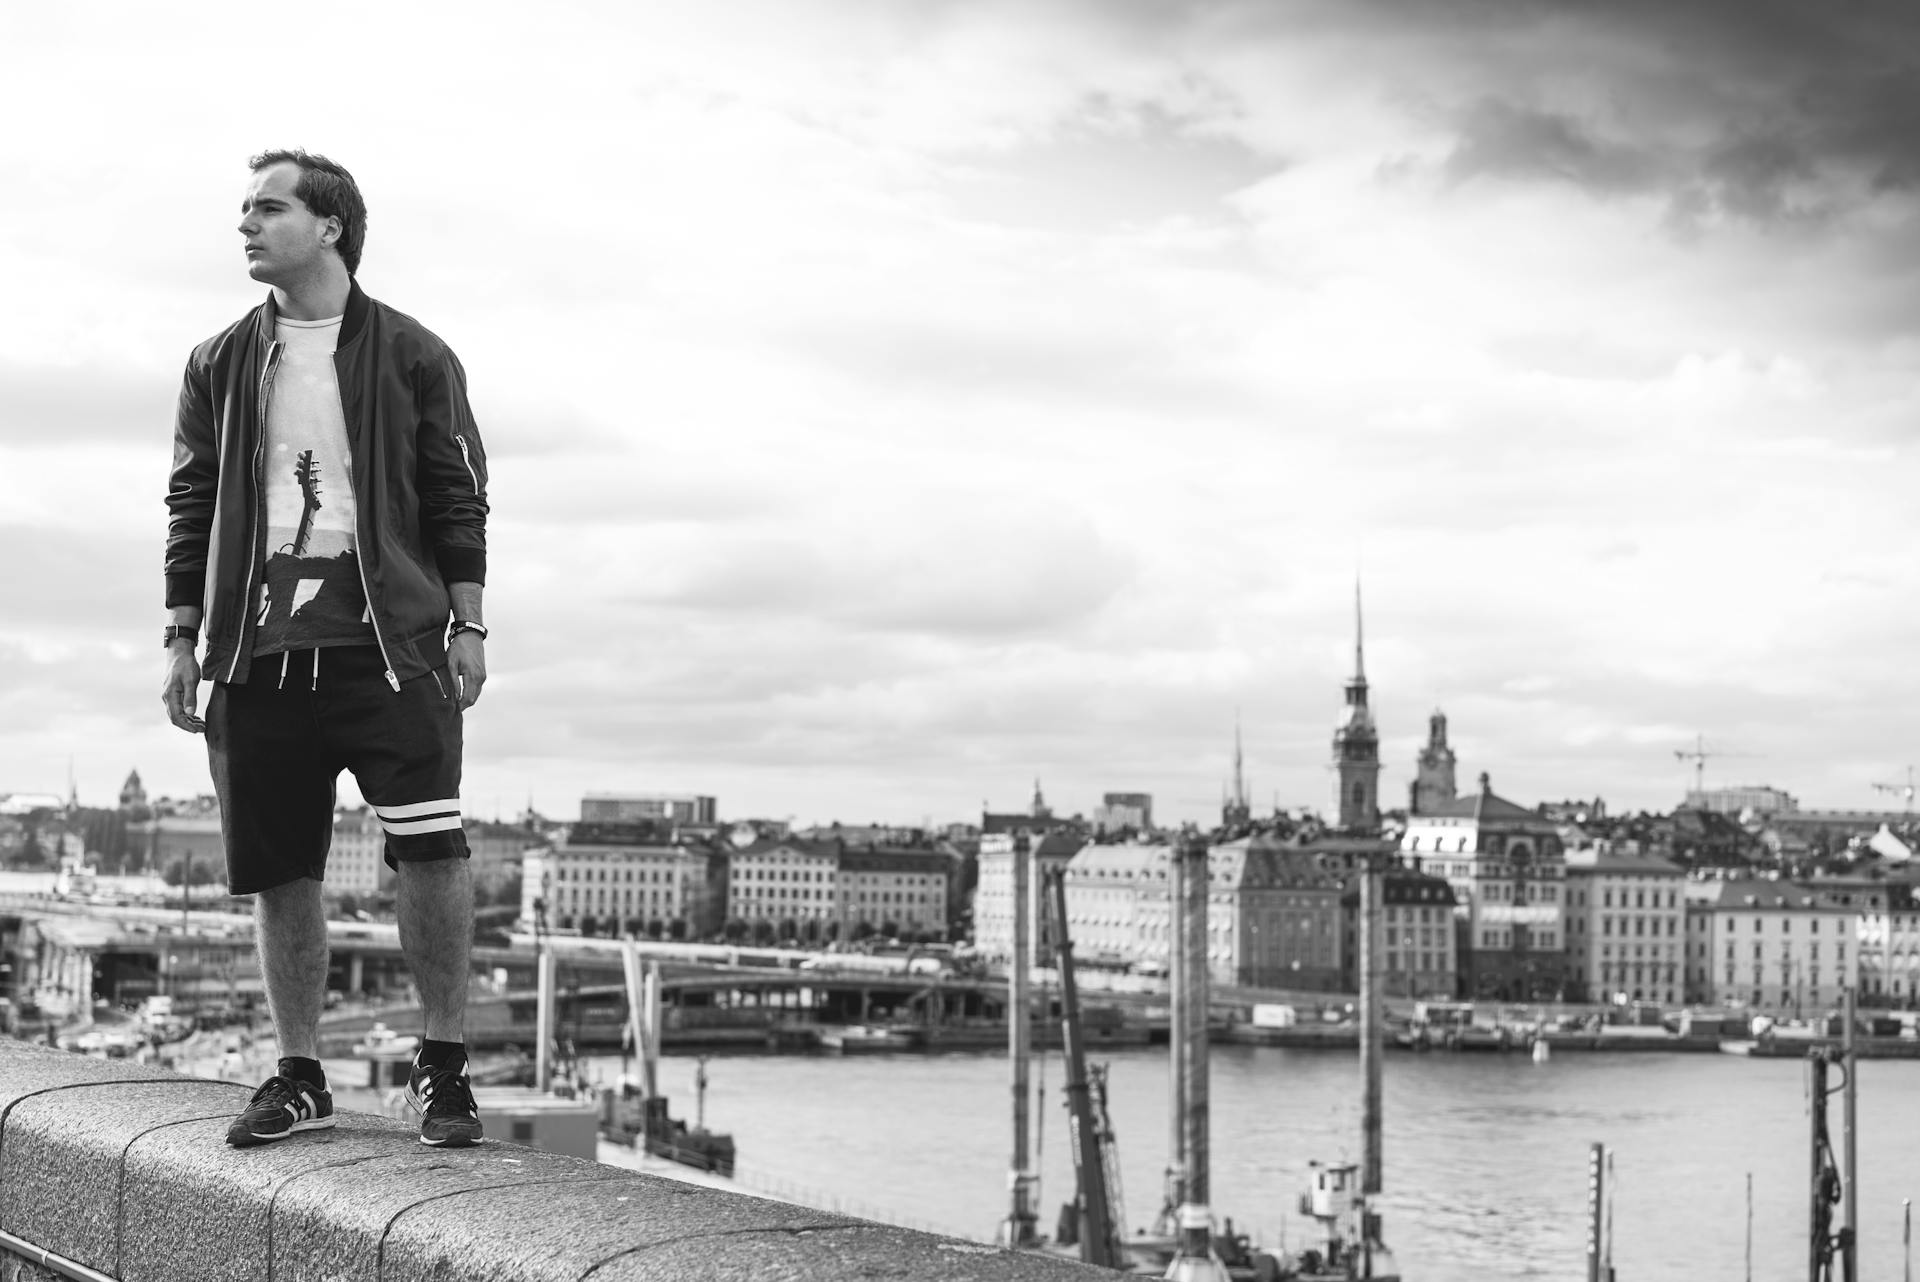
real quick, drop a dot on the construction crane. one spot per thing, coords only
(1904, 789)
(1698, 754)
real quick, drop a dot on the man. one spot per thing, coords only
(328, 526)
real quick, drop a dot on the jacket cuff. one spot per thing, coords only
(186, 587)
(462, 565)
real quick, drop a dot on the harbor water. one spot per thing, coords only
(1486, 1154)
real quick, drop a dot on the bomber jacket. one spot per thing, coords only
(419, 480)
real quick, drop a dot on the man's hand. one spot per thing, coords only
(467, 665)
(180, 690)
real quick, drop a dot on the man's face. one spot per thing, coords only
(284, 239)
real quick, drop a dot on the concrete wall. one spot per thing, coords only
(124, 1171)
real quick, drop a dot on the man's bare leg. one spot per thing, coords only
(292, 925)
(435, 906)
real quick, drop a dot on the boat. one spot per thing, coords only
(1339, 1196)
(869, 1039)
(389, 1056)
(639, 1121)
(636, 1114)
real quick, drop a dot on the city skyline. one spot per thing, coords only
(892, 404)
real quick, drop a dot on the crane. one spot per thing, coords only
(1698, 754)
(1904, 789)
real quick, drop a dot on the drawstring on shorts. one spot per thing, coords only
(285, 656)
(316, 670)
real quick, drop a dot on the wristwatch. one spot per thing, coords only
(466, 625)
(181, 632)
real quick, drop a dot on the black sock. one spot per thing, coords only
(442, 1054)
(304, 1070)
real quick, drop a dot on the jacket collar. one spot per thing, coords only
(355, 318)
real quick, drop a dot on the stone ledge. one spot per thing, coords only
(125, 1170)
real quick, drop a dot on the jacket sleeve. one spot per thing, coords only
(451, 472)
(190, 488)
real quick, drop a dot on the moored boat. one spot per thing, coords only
(869, 1039)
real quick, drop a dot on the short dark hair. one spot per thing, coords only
(329, 191)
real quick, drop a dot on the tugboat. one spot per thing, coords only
(636, 1114)
(1348, 1248)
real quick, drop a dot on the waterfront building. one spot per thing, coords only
(357, 863)
(1625, 928)
(1758, 798)
(1433, 779)
(783, 887)
(189, 843)
(1890, 948)
(1887, 916)
(894, 892)
(495, 851)
(1768, 945)
(1273, 909)
(600, 882)
(1419, 957)
(1507, 870)
(993, 887)
(624, 807)
(1120, 812)
(1105, 885)
(133, 793)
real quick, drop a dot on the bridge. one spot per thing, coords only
(112, 1172)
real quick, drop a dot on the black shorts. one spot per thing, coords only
(278, 742)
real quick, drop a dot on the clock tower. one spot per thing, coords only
(1356, 745)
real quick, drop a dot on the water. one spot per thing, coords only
(1486, 1155)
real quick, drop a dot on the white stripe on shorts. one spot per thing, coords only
(413, 810)
(442, 823)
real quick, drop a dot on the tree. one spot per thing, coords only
(862, 929)
(735, 930)
(763, 932)
(589, 925)
(656, 928)
(677, 928)
(204, 872)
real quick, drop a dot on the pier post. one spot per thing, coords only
(1850, 1164)
(543, 1022)
(1596, 1213)
(1372, 1038)
(1019, 1229)
(1177, 1048)
(1189, 899)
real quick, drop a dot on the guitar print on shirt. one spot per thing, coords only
(310, 590)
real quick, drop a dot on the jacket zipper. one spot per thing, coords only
(468, 460)
(360, 564)
(259, 497)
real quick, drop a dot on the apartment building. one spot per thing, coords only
(1507, 869)
(1626, 921)
(1769, 945)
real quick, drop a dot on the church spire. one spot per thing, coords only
(1359, 636)
(1356, 743)
(1239, 773)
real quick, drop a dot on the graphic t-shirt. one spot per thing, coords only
(310, 593)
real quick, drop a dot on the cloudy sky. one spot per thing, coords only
(890, 402)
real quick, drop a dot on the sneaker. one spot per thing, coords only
(280, 1107)
(442, 1096)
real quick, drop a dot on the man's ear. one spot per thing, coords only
(330, 234)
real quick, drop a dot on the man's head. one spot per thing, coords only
(299, 208)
